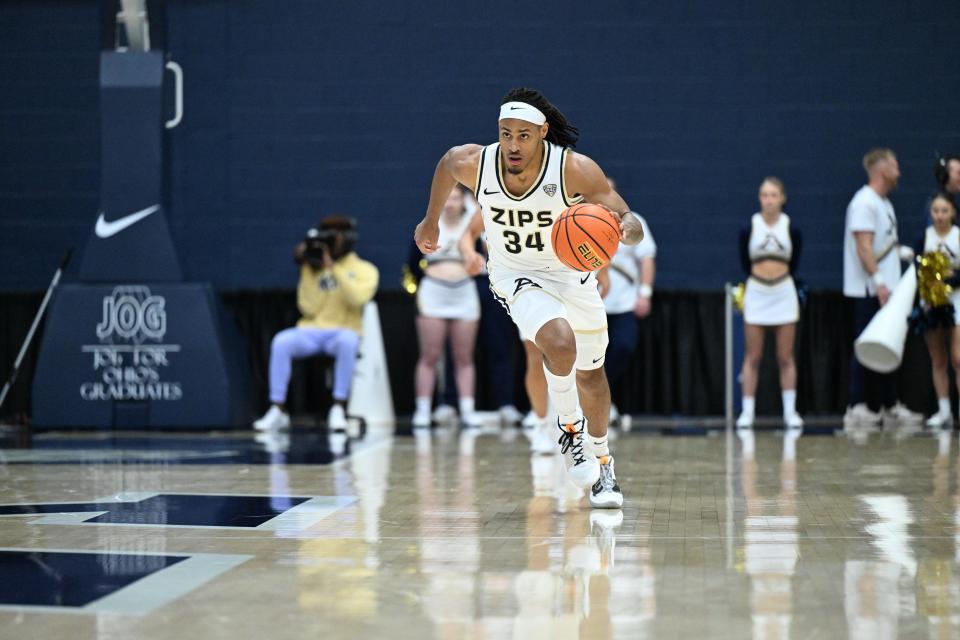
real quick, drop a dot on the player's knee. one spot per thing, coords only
(559, 347)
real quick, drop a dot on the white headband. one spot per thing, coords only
(522, 111)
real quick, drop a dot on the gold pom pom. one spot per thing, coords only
(933, 268)
(738, 292)
(408, 282)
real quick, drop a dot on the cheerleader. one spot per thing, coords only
(943, 322)
(769, 252)
(448, 306)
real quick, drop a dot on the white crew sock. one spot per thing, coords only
(600, 446)
(789, 401)
(944, 404)
(563, 393)
(423, 405)
(747, 405)
(466, 407)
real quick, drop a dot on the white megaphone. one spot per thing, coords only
(880, 346)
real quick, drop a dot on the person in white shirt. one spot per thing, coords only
(628, 300)
(871, 269)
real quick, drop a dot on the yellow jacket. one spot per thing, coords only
(334, 298)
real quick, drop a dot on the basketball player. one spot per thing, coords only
(522, 183)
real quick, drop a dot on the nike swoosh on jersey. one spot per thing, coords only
(106, 229)
(489, 193)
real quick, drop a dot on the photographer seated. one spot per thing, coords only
(334, 285)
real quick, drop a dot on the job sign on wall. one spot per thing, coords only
(133, 355)
(130, 361)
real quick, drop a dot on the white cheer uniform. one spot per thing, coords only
(770, 303)
(525, 275)
(450, 300)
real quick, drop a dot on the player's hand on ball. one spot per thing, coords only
(426, 236)
(631, 231)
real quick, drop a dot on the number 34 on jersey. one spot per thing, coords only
(520, 219)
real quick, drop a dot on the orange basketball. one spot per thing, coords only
(585, 237)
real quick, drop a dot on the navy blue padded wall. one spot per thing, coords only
(49, 135)
(298, 108)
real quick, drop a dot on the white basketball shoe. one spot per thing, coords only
(605, 493)
(275, 418)
(582, 466)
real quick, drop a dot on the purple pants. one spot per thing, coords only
(298, 342)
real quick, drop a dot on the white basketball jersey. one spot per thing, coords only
(949, 245)
(518, 227)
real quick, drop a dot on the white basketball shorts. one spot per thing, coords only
(535, 298)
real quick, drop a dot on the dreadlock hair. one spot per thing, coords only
(560, 132)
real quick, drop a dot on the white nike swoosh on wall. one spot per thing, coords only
(106, 229)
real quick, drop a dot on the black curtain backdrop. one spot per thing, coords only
(679, 367)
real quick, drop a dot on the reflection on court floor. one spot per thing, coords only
(465, 534)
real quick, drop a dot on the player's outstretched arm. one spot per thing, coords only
(459, 164)
(584, 176)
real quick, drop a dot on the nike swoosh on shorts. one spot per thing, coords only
(106, 229)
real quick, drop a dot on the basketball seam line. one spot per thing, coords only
(592, 239)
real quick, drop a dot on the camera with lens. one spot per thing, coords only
(316, 241)
(336, 235)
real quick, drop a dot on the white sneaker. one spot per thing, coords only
(939, 421)
(444, 413)
(745, 421)
(510, 415)
(338, 442)
(274, 418)
(582, 466)
(531, 420)
(471, 421)
(859, 413)
(793, 421)
(541, 440)
(337, 418)
(614, 414)
(900, 412)
(420, 420)
(605, 493)
(626, 422)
